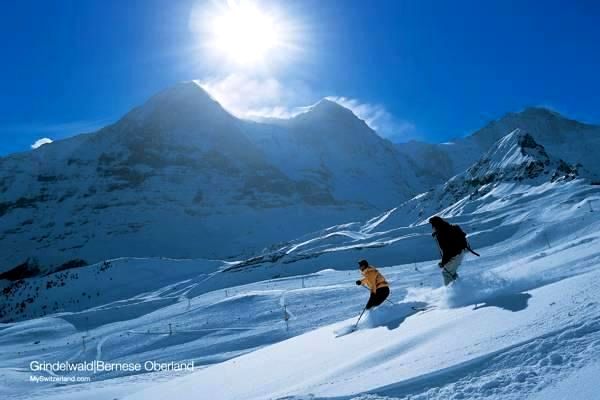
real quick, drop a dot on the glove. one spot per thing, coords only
(358, 283)
(440, 265)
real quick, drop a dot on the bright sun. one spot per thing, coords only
(244, 34)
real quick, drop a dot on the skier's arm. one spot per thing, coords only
(371, 281)
(440, 239)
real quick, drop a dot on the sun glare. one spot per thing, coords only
(244, 34)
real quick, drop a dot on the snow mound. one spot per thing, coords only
(326, 271)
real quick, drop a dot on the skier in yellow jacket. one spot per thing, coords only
(373, 279)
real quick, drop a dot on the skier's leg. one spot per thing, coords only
(449, 272)
(385, 292)
(447, 278)
(380, 295)
(456, 262)
(371, 301)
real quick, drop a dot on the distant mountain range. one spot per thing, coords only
(561, 137)
(181, 177)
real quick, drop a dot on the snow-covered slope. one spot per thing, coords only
(329, 145)
(529, 306)
(529, 340)
(181, 177)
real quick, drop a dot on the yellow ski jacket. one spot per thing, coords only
(373, 279)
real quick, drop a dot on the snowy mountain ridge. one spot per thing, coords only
(561, 137)
(517, 156)
(181, 177)
(174, 177)
(514, 165)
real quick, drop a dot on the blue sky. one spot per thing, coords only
(430, 70)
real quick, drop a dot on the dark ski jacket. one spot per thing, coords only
(451, 240)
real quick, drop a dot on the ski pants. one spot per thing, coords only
(378, 297)
(449, 270)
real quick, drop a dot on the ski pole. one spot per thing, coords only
(359, 317)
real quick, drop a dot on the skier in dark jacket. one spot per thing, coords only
(452, 242)
(373, 279)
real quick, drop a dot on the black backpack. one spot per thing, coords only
(460, 238)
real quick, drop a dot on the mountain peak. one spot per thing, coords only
(514, 158)
(328, 107)
(182, 115)
(540, 111)
(329, 115)
(192, 87)
(545, 125)
(514, 150)
(326, 103)
(517, 156)
(184, 101)
(534, 113)
(187, 93)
